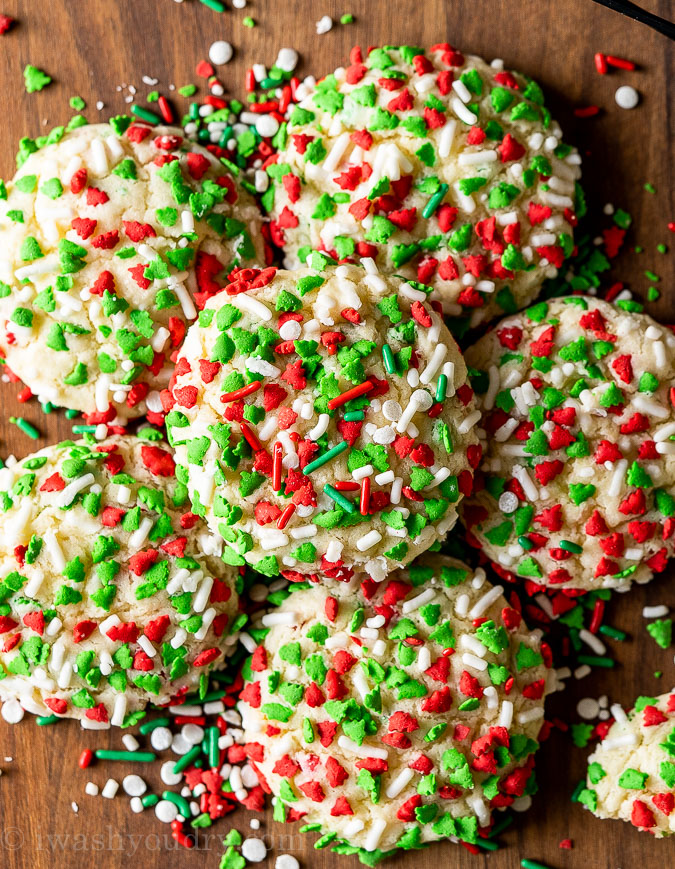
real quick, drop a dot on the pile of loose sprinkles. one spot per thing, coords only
(211, 768)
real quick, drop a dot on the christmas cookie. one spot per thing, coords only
(323, 421)
(577, 485)
(631, 774)
(395, 714)
(112, 236)
(112, 592)
(439, 166)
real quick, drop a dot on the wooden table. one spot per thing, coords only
(92, 47)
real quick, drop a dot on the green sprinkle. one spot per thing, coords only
(149, 800)
(43, 720)
(339, 499)
(25, 427)
(77, 103)
(185, 761)
(533, 864)
(650, 188)
(347, 18)
(247, 22)
(35, 79)
(146, 114)
(326, 457)
(149, 726)
(597, 661)
(435, 201)
(131, 756)
(614, 633)
(180, 802)
(217, 6)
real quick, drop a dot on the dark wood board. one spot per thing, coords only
(90, 48)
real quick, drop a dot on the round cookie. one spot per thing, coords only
(577, 484)
(631, 774)
(112, 592)
(110, 235)
(441, 167)
(324, 421)
(398, 713)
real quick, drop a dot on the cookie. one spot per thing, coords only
(112, 236)
(112, 592)
(631, 774)
(577, 485)
(323, 421)
(395, 714)
(439, 166)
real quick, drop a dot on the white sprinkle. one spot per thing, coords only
(220, 52)
(161, 738)
(254, 850)
(588, 708)
(12, 711)
(323, 25)
(655, 612)
(399, 783)
(110, 788)
(286, 861)
(134, 785)
(592, 642)
(626, 97)
(505, 714)
(485, 602)
(375, 834)
(166, 811)
(91, 789)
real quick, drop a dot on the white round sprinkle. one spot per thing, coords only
(134, 785)
(168, 776)
(220, 52)
(627, 97)
(254, 850)
(166, 811)
(161, 738)
(193, 733)
(286, 861)
(180, 745)
(588, 708)
(267, 126)
(12, 711)
(136, 805)
(508, 502)
(91, 789)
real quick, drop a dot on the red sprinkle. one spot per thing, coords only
(598, 612)
(277, 459)
(25, 394)
(361, 389)
(345, 486)
(600, 63)
(85, 758)
(227, 397)
(250, 437)
(586, 111)
(620, 62)
(365, 496)
(166, 110)
(285, 517)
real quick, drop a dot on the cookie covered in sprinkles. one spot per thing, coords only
(577, 485)
(323, 421)
(439, 166)
(113, 594)
(631, 774)
(112, 236)
(389, 715)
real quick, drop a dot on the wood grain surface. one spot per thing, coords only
(92, 46)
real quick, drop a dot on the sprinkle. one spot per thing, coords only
(355, 392)
(328, 456)
(626, 97)
(339, 499)
(26, 427)
(145, 114)
(130, 756)
(228, 397)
